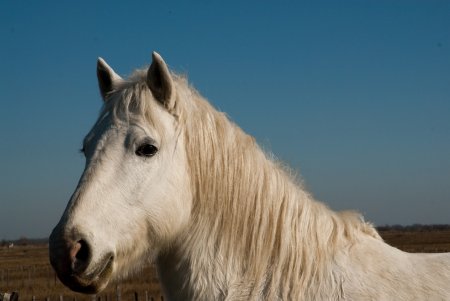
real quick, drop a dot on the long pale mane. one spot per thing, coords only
(247, 205)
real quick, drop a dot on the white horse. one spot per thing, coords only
(168, 179)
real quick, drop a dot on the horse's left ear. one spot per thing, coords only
(160, 81)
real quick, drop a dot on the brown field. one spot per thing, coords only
(25, 269)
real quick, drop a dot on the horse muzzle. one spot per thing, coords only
(72, 259)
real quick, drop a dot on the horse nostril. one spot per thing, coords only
(83, 253)
(80, 256)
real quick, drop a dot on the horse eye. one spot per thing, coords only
(146, 150)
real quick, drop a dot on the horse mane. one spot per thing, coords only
(254, 219)
(249, 205)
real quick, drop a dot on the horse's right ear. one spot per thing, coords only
(107, 78)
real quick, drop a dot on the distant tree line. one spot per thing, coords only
(414, 227)
(24, 241)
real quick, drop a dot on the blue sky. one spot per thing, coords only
(354, 95)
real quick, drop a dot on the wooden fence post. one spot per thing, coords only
(23, 278)
(118, 295)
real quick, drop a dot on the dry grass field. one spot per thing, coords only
(420, 240)
(25, 269)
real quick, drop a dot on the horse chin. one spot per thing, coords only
(92, 283)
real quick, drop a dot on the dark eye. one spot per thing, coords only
(146, 150)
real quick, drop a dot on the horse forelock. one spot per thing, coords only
(133, 99)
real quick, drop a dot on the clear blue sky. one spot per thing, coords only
(355, 95)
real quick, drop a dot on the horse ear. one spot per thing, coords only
(160, 81)
(107, 78)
